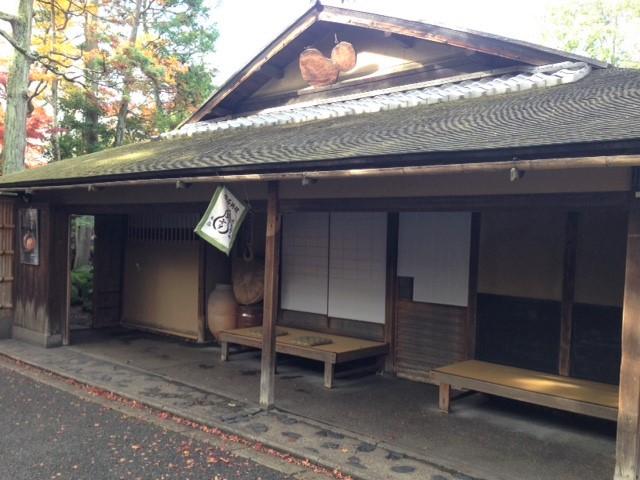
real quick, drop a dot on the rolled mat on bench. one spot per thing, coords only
(258, 332)
(309, 341)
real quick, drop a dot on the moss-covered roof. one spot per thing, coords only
(603, 107)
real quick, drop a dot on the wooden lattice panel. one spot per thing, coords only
(7, 241)
(163, 227)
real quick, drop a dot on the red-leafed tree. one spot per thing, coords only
(38, 122)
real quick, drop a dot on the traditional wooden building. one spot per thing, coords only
(464, 203)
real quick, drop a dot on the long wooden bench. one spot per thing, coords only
(341, 349)
(579, 396)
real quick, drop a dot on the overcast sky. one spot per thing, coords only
(246, 26)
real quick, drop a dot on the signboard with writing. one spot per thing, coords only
(29, 236)
(221, 222)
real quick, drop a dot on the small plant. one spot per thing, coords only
(82, 287)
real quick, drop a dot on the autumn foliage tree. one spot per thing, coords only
(38, 121)
(109, 72)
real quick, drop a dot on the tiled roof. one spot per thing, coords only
(407, 96)
(603, 107)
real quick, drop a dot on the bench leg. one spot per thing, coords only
(328, 374)
(445, 397)
(224, 351)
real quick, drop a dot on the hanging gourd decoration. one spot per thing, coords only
(344, 56)
(319, 71)
(316, 69)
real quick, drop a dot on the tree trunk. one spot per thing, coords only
(121, 125)
(55, 141)
(15, 136)
(91, 112)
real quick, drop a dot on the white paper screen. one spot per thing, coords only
(357, 266)
(434, 249)
(305, 262)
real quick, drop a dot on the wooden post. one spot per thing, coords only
(444, 397)
(270, 312)
(628, 437)
(329, 370)
(202, 291)
(568, 291)
(393, 220)
(60, 276)
(472, 302)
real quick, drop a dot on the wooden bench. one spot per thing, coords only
(341, 349)
(564, 393)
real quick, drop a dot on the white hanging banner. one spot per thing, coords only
(221, 222)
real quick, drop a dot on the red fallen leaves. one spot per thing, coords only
(259, 447)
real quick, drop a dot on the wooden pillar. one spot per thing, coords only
(60, 276)
(271, 290)
(202, 291)
(393, 220)
(628, 440)
(472, 302)
(568, 292)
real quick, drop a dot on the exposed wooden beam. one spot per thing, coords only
(628, 436)
(298, 27)
(458, 203)
(408, 42)
(568, 292)
(479, 42)
(545, 164)
(271, 70)
(271, 293)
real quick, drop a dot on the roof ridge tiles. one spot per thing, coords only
(411, 96)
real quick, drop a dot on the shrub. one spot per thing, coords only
(82, 287)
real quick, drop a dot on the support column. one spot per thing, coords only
(568, 292)
(472, 302)
(393, 220)
(202, 291)
(271, 291)
(628, 439)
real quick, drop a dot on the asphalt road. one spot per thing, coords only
(46, 433)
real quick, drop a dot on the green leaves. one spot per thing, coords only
(603, 29)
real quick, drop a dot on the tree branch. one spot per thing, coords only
(7, 17)
(9, 38)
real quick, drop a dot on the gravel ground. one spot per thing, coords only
(46, 433)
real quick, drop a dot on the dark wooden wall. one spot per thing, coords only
(523, 324)
(108, 262)
(428, 336)
(596, 342)
(33, 298)
(520, 332)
